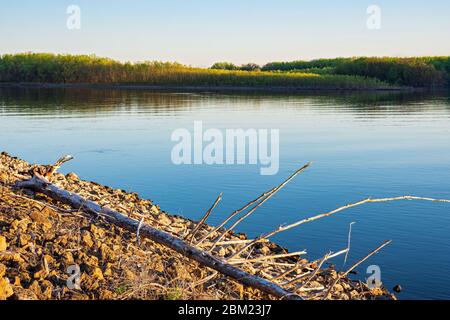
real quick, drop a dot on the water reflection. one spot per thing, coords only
(363, 144)
(79, 101)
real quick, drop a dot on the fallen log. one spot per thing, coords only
(40, 184)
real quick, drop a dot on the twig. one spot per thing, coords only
(282, 275)
(339, 277)
(205, 217)
(264, 199)
(296, 279)
(276, 256)
(233, 242)
(53, 207)
(328, 256)
(206, 279)
(138, 238)
(348, 206)
(321, 262)
(265, 194)
(348, 242)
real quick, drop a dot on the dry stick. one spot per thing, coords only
(53, 207)
(233, 242)
(270, 195)
(348, 241)
(282, 275)
(138, 237)
(296, 279)
(206, 279)
(276, 256)
(348, 206)
(265, 194)
(322, 260)
(232, 215)
(204, 258)
(339, 277)
(205, 217)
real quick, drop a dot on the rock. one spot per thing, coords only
(11, 256)
(3, 243)
(6, 290)
(41, 218)
(129, 275)
(72, 177)
(86, 238)
(182, 272)
(338, 287)
(106, 295)
(98, 274)
(265, 250)
(23, 239)
(222, 252)
(346, 286)
(23, 294)
(398, 288)
(2, 270)
(20, 225)
(376, 292)
(97, 232)
(164, 219)
(41, 274)
(154, 209)
(106, 253)
(354, 295)
(108, 271)
(3, 177)
(68, 258)
(46, 289)
(158, 266)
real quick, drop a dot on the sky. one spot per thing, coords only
(201, 32)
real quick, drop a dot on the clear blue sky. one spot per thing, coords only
(200, 32)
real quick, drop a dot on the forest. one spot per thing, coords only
(339, 73)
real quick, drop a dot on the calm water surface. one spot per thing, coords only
(362, 145)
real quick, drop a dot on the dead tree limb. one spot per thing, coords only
(329, 213)
(270, 194)
(203, 220)
(261, 198)
(339, 277)
(41, 185)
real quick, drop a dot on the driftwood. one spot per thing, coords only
(283, 284)
(39, 184)
(329, 213)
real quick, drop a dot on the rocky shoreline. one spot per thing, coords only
(41, 239)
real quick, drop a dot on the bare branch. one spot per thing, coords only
(329, 213)
(205, 217)
(339, 277)
(276, 256)
(267, 197)
(265, 194)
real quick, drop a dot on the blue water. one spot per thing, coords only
(376, 144)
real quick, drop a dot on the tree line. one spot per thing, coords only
(90, 69)
(414, 72)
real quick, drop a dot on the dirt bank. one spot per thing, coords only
(41, 239)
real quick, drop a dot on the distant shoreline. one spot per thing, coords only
(204, 88)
